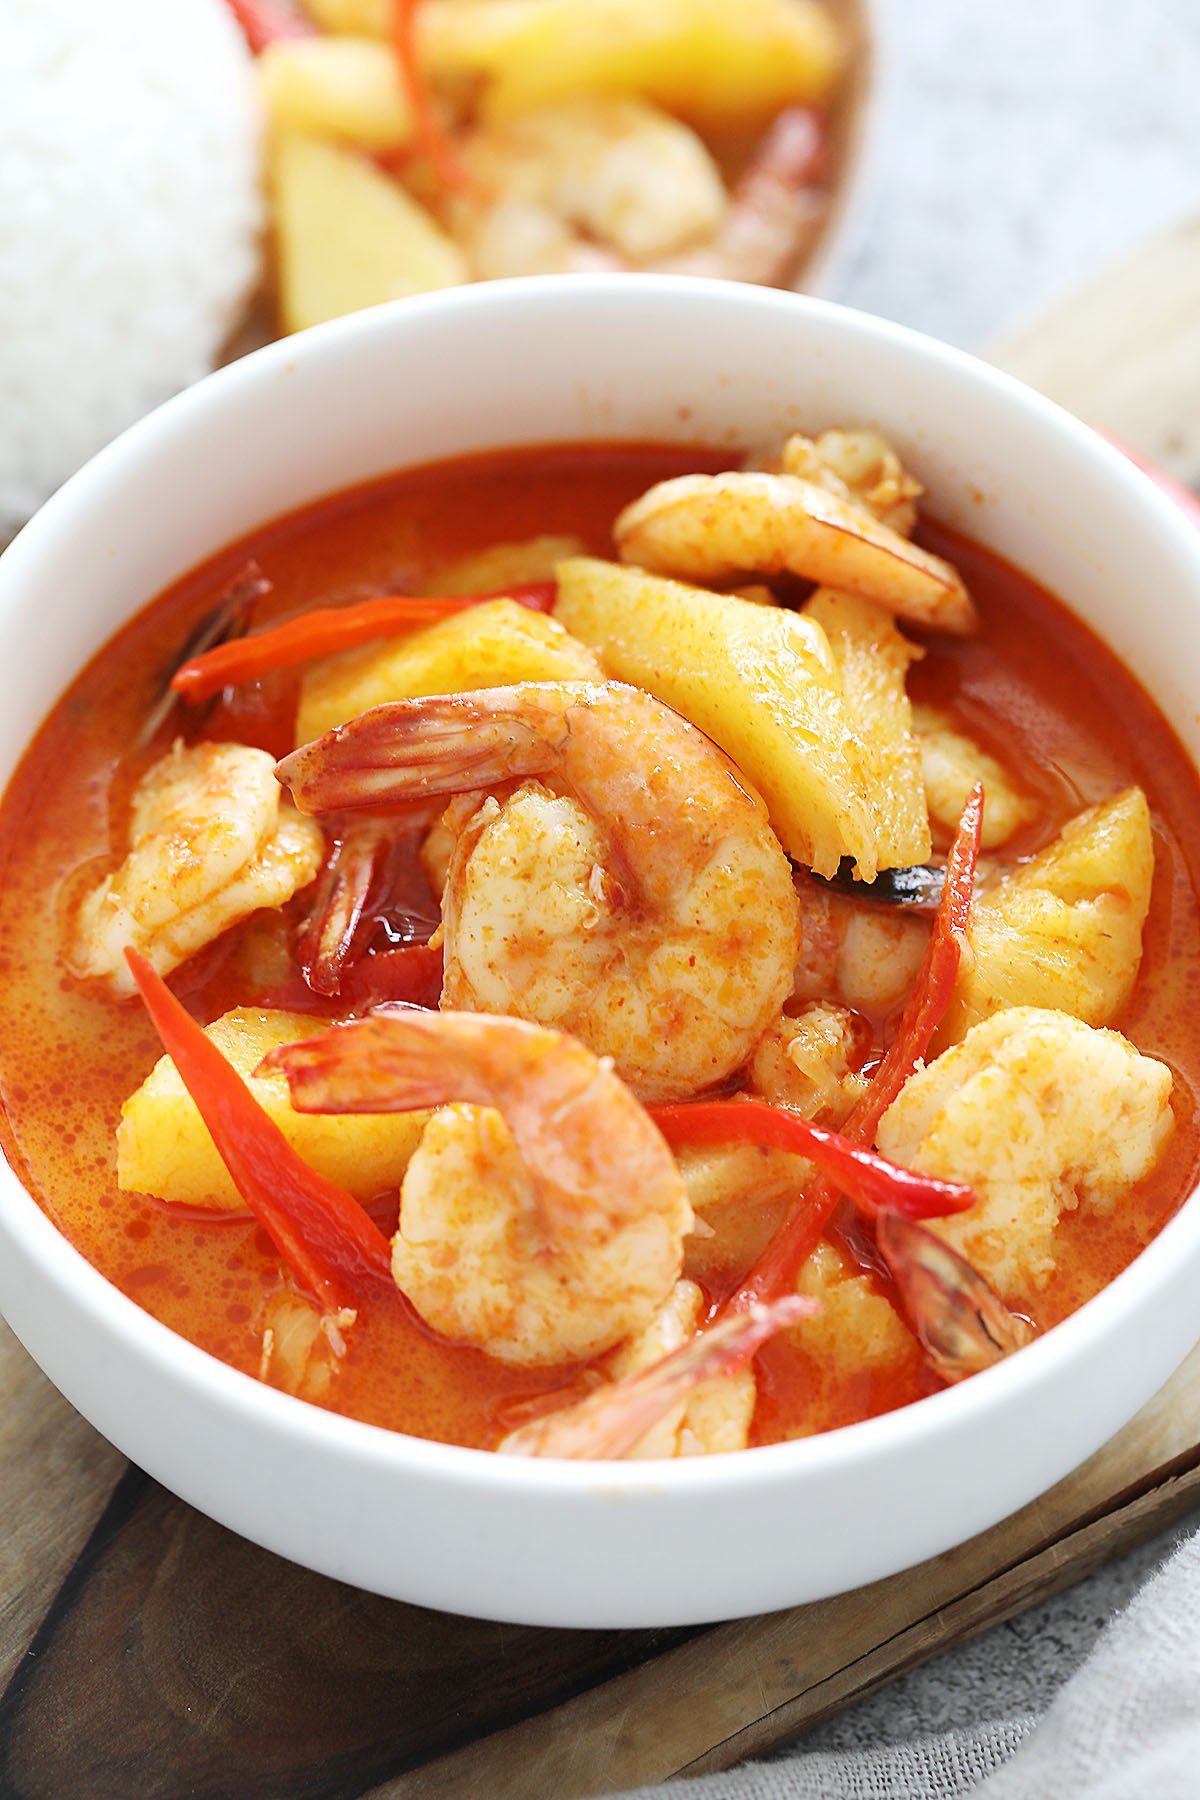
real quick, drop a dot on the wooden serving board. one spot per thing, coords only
(145, 1651)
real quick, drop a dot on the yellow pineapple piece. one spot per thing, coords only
(502, 566)
(760, 680)
(1063, 931)
(873, 658)
(488, 645)
(722, 67)
(163, 1145)
(347, 236)
(340, 87)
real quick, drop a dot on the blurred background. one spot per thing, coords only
(1023, 146)
(182, 179)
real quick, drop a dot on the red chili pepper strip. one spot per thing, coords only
(1175, 490)
(324, 1236)
(870, 1180)
(776, 1270)
(431, 137)
(333, 628)
(264, 22)
(934, 987)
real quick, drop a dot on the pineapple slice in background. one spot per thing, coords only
(339, 87)
(723, 67)
(347, 235)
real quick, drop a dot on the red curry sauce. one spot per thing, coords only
(1034, 686)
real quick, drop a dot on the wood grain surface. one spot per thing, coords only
(145, 1651)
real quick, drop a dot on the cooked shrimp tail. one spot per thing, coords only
(609, 1422)
(543, 1235)
(559, 1103)
(364, 880)
(441, 745)
(775, 210)
(961, 1321)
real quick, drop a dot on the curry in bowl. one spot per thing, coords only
(665, 957)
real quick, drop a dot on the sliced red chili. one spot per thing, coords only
(870, 1179)
(264, 22)
(780, 1263)
(330, 1244)
(431, 136)
(334, 628)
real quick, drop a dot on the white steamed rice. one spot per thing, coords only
(129, 220)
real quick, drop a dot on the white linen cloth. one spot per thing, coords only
(1025, 144)
(1124, 1726)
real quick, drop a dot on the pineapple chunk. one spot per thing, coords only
(356, 18)
(336, 87)
(163, 1145)
(502, 566)
(488, 645)
(761, 681)
(1065, 930)
(951, 764)
(722, 67)
(347, 236)
(873, 658)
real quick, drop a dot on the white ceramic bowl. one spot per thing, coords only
(528, 362)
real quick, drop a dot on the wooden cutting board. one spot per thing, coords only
(145, 1651)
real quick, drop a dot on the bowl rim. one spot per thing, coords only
(930, 1420)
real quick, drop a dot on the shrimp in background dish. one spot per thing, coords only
(776, 208)
(629, 890)
(594, 182)
(542, 1216)
(210, 841)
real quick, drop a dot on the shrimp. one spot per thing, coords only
(775, 211)
(714, 529)
(867, 955)
(542, 1216)
(858, 465)
(599, 181)
(808, 1062)
(740, 1191)
(1038, 1113)
(961, 1322)
(858, 1331)
(612, 1421)
(715, 1415)
(210, 841)
(633, 894)
(951, 763)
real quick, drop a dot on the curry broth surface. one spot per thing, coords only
(1035, 686)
